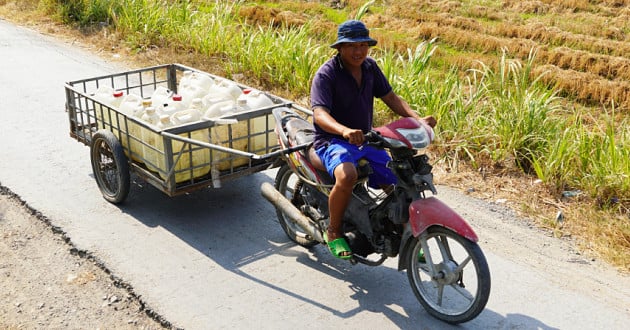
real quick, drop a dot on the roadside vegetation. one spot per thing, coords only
(532, 97)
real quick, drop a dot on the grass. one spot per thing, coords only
(498, 116)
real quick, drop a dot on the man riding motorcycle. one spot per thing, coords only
(342, 100)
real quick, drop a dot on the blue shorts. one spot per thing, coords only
(341, 151)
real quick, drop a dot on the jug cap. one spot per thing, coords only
(177, 97)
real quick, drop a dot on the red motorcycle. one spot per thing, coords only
(446, 268)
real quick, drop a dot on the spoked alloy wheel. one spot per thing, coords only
(288, 184)
(453, 282)
(110, 166)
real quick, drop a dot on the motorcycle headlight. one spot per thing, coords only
(419, 138)
(407, 133)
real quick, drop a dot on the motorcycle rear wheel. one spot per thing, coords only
(289, 184)
(453, 282)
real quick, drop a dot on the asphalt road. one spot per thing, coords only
(217, 258)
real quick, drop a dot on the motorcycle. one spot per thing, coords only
(446, 268)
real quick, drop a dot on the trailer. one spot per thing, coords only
(176, 159)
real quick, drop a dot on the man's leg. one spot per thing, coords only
(345, 178)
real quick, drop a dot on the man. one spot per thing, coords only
(342, 100)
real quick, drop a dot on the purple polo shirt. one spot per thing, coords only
(335, 89)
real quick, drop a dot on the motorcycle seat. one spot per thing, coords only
(300, 131)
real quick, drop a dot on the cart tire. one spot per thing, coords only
(110, 166)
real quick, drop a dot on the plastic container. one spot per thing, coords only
(164, 123)
(185, 81)
(190, 115)
(133, 106)
(226, 88)
(219, 109)
(111, 98)
(197, 104)
(160, 96)
(194, 85)
(252, 100)
(192, 92)
(151, 140)
(194, 160)
(153, 146)
(171, 105)
(195, 78)
(193, 156)
(220, 135)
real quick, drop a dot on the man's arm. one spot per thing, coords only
(402, 108)
(323, 119)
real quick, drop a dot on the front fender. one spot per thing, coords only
(427, 212)
(424, 213)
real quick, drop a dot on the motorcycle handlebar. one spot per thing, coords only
(374, 138)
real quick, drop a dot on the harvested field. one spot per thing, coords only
(585, 44)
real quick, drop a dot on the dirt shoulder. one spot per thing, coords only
(48, 284)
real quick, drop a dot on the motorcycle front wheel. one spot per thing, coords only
(289, 185)
(449, 275)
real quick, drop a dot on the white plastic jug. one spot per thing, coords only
(152, 142)
(133, 106)
(190, 115)
(108, 96)
(195, 160)
(165, 122)
(172, 105)
(219, 109)
(253, 99)
(160, 96)
(216, 97)
(230, 134)
(185, 81)
(151, 116)
(197, 104)
(194, 85)
(226, 87)
(191, 92)
(259, 129)
(202, 80)
(153, 145)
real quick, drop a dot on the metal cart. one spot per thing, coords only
(177, 159)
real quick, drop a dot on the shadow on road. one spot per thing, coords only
(235, 227)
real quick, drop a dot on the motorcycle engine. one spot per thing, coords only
(359, 244)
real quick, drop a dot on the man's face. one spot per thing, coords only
(353, 54)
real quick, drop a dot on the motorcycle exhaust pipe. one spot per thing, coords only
(293, 213)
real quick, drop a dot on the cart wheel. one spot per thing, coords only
(110, 166)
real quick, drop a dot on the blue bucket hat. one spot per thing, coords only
(353, 31)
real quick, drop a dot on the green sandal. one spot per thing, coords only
(338, 247)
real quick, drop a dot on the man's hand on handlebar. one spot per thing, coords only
(354, 136)
(430, 120)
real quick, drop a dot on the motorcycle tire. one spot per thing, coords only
(289, 184)
(448, 274)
